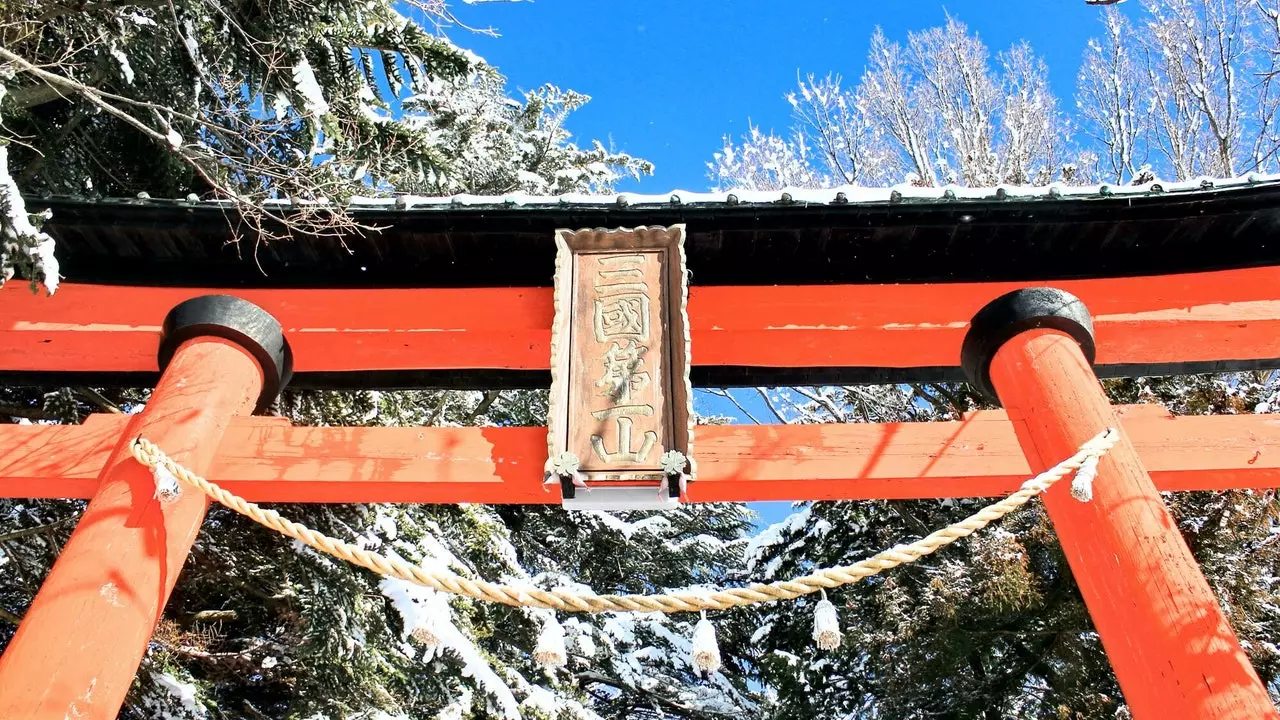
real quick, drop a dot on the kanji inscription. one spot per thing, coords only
(620, 389)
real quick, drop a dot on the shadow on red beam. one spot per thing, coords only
(267, 460)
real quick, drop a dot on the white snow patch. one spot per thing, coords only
(387, 526)
(16, 226)
(123, 59)
(185, 693)
(774, 535)
(412, 601)
(648, 525)
(304, 80)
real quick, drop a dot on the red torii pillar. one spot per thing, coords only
(1174, 654)
(79, 645)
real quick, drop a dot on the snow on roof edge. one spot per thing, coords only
(803, 197)
(844, 195)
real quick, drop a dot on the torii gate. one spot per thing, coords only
(1032, 345)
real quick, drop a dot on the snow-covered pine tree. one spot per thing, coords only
(311, 102)
(349, 99)
(260, 627)
(992, 627)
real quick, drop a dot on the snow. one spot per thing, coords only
(386, 525)
(436, 555)
(640, 662)
(531, 180)
(125, 68)
(184, 693)
(19, 235)
(649, 525)
(458, 709)
(585, 645)
(280, 107)
(304, 81)
(709, 542)
(850, 194)
(774, 535)
(548, 705)
(413, 602)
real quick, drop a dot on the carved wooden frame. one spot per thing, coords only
(677, 406)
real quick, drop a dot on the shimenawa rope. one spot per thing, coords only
(153, 457)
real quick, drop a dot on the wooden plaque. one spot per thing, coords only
(620, 392)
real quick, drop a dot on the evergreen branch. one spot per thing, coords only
(215, 616)
(26, 532)
(25, 98)
(956, 401)
(691, 711)
(908, 515)
(27, 413)
(58, 10)
(245, 154)
(10, 617)
(98, 399)
(490, 396)
(917, 390)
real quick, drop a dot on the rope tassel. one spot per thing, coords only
(168, 489)
(826, 624)
(427, 631)
(705, 652)
(1082, 483)
(550, 651)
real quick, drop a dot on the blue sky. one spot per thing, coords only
(669, 79)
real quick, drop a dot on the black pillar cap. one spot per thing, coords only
(1015, 313)
(237, 320)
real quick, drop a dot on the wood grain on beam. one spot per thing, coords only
(1217, 316)
(269, 461)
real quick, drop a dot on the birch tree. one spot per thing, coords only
(1174, 89)
(931, 112)
(1184, 86)
(1113, 111)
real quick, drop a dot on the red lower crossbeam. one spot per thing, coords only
(267, 460)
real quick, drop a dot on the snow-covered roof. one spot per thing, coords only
(837, 196)
(844, 195)
(901, 234)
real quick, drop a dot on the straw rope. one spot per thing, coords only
(151, 456)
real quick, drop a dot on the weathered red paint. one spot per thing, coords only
(1172, 649)
(1226, 315)
(80, 642)
(268, 460)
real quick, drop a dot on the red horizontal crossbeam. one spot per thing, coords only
(267, 460)
(1228, 315)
